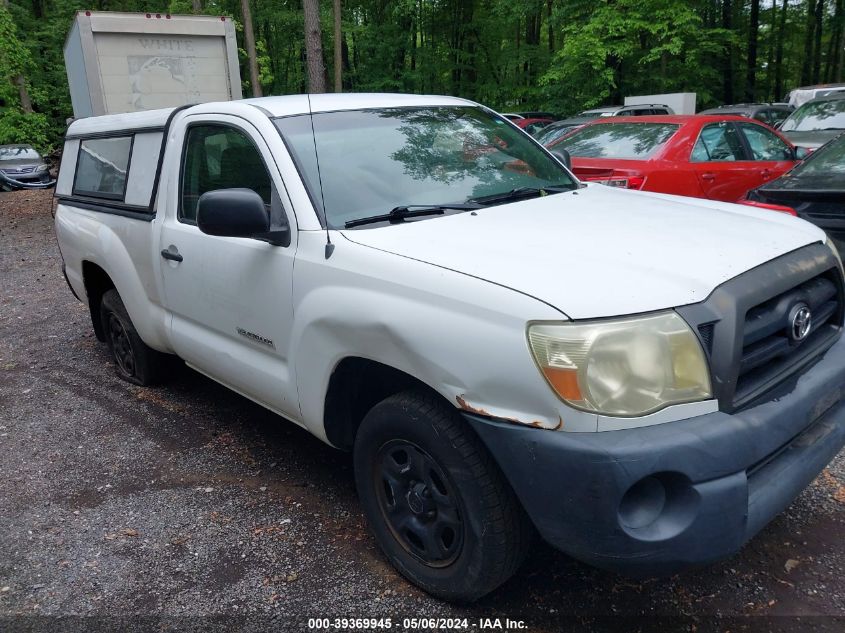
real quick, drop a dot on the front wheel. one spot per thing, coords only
(436, 501)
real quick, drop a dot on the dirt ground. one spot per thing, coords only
(187, 507)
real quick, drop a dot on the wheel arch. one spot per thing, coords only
(356, 385)
(97, 282)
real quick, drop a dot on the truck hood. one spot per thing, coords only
(812, 139)
(600, 252)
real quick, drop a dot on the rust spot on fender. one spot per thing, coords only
(466, 406)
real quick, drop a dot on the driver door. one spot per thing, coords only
(230, 298)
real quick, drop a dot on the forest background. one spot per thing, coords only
(555, 55)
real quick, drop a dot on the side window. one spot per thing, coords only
(718, 142)
(219, 157)
(765, 145)
(763, 116)
(778, 116)
(101, 167)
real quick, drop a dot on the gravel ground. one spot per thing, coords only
(188, 506)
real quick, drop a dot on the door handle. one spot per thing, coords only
(766, 173)
(708, 176)
(173, 256)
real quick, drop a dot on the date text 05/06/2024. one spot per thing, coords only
(410, 624)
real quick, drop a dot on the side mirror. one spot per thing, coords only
(563, 156)
(801, 153)
(232, 213)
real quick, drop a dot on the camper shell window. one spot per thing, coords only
(102, 167)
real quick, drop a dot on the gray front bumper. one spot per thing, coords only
(653, 500)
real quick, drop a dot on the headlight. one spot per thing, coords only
(44, 167)
(624, 367)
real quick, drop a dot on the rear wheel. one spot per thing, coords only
(436, 501)
(134, 361)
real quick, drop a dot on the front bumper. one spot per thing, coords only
(653, 500)
(29, 181)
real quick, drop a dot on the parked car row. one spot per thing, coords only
(703, 156)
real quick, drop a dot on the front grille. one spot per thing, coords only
(19, 170)
(770, 345)
(745, 324)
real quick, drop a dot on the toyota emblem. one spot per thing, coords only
(800, 321)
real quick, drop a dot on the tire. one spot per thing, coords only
(437, 503)
(134, 361)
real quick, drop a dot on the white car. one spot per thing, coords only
(644, 380)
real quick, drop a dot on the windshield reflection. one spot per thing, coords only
(371, 161)
(819, 115)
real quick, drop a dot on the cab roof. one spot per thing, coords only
(271, 106)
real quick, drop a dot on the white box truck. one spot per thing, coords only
(127, 62)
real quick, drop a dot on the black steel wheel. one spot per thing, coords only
(419, 503)
(134, 361)
(437, 503)
(121, 345)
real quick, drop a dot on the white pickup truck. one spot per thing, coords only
(644, 380)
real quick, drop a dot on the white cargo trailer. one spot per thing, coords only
(126, 62)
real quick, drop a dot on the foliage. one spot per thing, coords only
(33, 128)
(557, 55)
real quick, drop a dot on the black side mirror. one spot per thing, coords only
(801, 153)
(563, 156)
(232, 213)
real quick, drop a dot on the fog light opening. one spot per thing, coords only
(658, 507)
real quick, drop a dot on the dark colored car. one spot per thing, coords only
(21, 167)
(814, 189)
(704, 156)
(772, 114)
(816, 122)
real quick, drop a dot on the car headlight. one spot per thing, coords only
(44, 167)
(622, 367)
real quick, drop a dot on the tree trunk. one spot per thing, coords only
(20, 83)
(817, 48)
(751, 73)
(252, 57)
(197, 6)
(840, 47)
(549, 26)
(727, 24)
(807, 64)
(314, 47)
(338, 49)
(779, 53)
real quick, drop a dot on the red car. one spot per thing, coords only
(718, 157)
(532, 125)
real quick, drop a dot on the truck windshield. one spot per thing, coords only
(373, 161)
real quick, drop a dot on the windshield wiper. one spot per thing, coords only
(400, 214)
(520, 193)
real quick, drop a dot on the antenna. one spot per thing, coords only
(329, 245)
